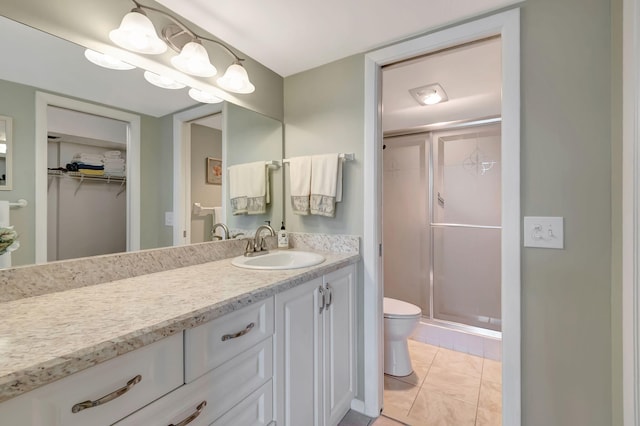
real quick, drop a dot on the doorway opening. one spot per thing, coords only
(506, 26)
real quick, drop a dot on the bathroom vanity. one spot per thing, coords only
(208, 344)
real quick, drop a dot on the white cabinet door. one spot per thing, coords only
(298, 355)
(339, 344)
(315, 350)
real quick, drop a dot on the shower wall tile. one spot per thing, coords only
(493, 348)
(468, 343)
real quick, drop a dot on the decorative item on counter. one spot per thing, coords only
(8, 240)
(283, 238)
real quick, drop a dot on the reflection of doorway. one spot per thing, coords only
(132, 138)
(182, 170)
(86, 180)
(206, 147)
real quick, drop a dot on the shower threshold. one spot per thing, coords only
(460, 337)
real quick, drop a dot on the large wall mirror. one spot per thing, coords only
(47, 67)
(6, 151)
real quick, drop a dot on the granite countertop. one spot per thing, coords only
(48, 337)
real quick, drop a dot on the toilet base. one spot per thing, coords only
(396, 358)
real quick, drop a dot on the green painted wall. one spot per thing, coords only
(566, 171)
(566, 168)
(616, 211)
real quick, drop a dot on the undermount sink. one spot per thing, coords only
(274, 260)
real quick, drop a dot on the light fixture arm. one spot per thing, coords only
(186, 29)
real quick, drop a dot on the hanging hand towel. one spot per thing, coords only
(249, 188)
(325, 184)
(300, 184)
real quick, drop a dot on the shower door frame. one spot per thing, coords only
(430, 131)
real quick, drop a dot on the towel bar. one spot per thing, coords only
(20, 203)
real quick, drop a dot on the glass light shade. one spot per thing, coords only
(136, 33)
(236, 80)
(432, 98)
(106, 61)
(194, 60)
(204, 97)
(162, 81)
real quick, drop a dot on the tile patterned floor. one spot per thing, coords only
(447, 388)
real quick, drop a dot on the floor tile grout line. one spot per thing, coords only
(423, 380)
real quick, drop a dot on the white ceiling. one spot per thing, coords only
(470, 75)
(290, 36)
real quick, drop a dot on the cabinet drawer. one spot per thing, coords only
(220, 390)
(256, 410)
(159, 366)
(213, 343)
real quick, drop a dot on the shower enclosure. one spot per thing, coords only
(441, 221)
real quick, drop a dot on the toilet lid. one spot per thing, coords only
(394, 308)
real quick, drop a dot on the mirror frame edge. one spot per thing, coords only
(8, 183)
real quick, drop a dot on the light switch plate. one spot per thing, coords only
(544, 232)
(168, 218)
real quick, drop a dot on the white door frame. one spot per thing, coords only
(630, 212)
(43, 100)
(506, 24)
(182, 168)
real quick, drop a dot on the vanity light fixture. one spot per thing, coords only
(194, 60)
(429, 95)
(204, 97)
(106, 61)
(138, 34)
(162, 81)
(236, 80)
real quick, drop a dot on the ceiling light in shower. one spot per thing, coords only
(429, 95)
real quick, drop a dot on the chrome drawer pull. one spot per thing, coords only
(110, 397)
(192, 417)
(239, 333)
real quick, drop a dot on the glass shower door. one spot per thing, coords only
(405, 218)
(466, 227)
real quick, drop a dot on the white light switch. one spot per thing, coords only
(168, 218)
(544, 232)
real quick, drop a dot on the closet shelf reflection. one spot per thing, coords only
(81, 177)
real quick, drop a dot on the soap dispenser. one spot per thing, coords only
(283, 238)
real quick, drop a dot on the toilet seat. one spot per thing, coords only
(398, 309)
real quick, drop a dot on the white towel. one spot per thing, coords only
(90, 159)
(300, 184)
(326, 184)
(217, 215)
(112, 154)
(249, 188)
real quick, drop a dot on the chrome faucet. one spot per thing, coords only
(258, 246)
(225, 231)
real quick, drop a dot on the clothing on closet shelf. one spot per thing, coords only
(88, 159)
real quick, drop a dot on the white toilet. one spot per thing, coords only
(400, 319)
